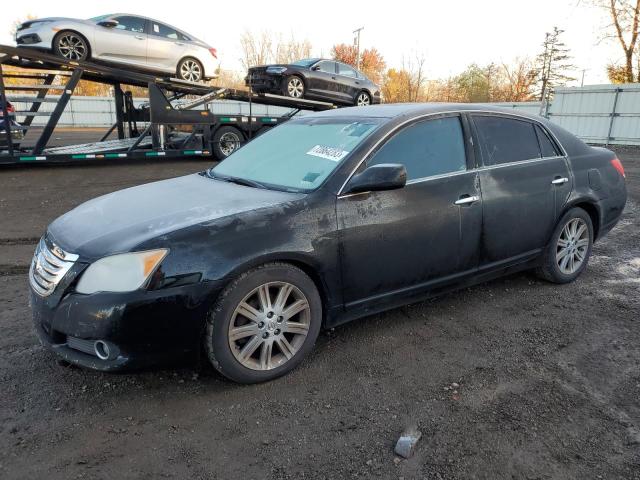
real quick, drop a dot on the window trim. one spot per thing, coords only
(157, 35)
(335, 66)
(472, 132)
(355, 77)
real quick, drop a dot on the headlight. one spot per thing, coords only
(276, 69)
(124, 272)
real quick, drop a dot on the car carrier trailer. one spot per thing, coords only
(175, 123)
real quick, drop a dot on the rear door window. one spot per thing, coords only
(346, 70)
(327, 67)
(426, 148)
(162, 30)
(506, 140)
(547, 148)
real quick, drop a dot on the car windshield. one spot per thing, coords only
(305, 62)
(296, 156)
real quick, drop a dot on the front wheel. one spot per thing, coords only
(190, 69)
(264, 323)
(293, 87)
(567, 254)
(71, 45)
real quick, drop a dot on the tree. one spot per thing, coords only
(553, 63)
(266, 47)
(519, 78)
(617, 73)
(372, 62)
(625, 18)
(256, 49)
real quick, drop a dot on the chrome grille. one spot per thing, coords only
(48, 267)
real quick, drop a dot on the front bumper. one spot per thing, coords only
(38, 37)
(143, 327)
(263, 82)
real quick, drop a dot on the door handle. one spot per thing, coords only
(467, 200)
(559, 180)
(333, 78)
(139, 37)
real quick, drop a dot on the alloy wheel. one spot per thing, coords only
(269, 326)
(295, 87)
(72, 47)
(363, 100)
(229, 143)
(572, 246)
(190, 70)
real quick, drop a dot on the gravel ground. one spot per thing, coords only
(548, 376)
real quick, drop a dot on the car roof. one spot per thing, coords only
(393, 110)
(124, 14)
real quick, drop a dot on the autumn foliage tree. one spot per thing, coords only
(372, 62)
(625, 28)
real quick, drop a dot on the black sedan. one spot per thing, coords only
(329, 217)
(315, 79)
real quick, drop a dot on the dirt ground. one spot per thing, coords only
(549, 376)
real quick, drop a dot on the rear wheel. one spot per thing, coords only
(567, 254)
(293, 87)
(190, 69)
(71, 45)
(363, 99)
(226, 140)
(264, 323)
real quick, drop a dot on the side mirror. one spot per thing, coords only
(315, 68)
(109, 23)
(385, 176)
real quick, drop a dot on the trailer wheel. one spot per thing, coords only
(226, 140)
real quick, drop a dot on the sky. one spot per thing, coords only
(449, 34)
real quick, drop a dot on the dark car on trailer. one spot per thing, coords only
(329, 217)
(315, 79)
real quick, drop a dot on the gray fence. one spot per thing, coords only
(604, 114)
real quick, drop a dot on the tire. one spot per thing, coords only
(226, 140)
(71, 46)
(190, 69)
(567, 254)
(293, 87)
(269, 345)
(363, 99)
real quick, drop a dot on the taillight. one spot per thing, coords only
(10, 109)
(617, 164)
(214, 52)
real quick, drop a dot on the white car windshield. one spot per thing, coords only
(296, 156)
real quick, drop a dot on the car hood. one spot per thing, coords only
(58, 19)
(120, 221)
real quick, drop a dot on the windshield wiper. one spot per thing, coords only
(239, 181)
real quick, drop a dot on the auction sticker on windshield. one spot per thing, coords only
(330, 153)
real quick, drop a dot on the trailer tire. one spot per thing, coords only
(225, 141)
